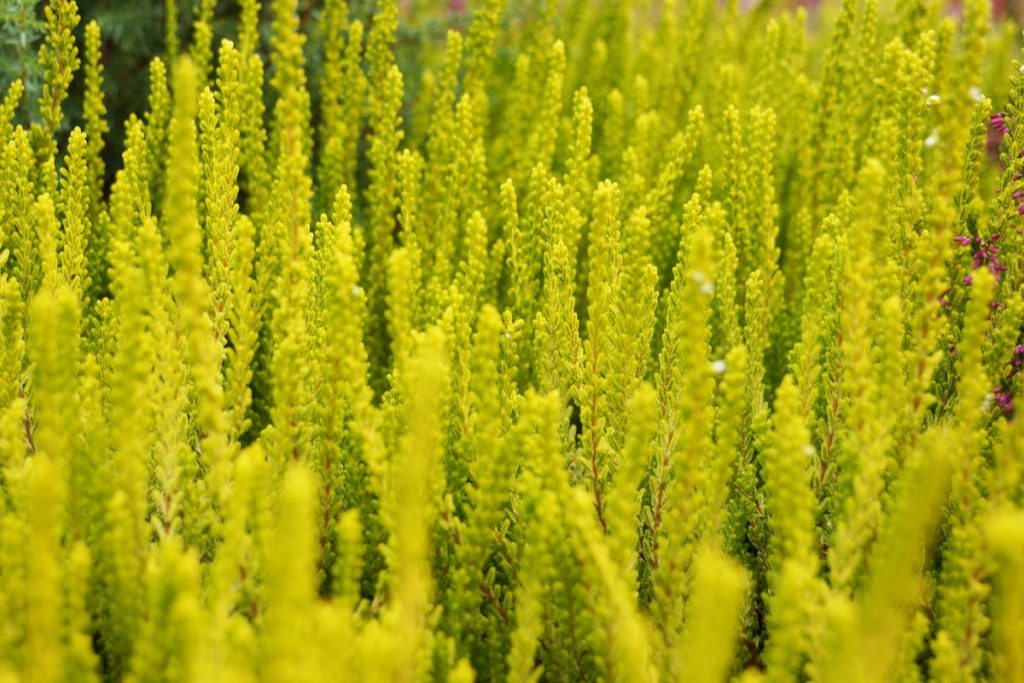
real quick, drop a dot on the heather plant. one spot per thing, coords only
(593, 340)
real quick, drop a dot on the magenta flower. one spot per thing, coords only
(999, 122)
(1004, 399)
(984, 253)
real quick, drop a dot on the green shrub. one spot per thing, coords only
(598, 340)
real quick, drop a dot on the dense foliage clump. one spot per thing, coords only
(615, 340)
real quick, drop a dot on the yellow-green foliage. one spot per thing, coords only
(595, 340)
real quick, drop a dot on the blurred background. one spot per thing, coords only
(999, 7)
(133, 33)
